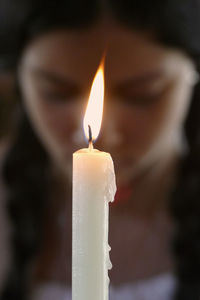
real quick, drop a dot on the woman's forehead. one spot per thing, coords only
(77, 54)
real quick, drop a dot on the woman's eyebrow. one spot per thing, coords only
(139, 81)
(53, 77)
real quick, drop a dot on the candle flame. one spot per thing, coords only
(94, 110)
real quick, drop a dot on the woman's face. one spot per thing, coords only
(147, 93)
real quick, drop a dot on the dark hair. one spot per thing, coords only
(22, 20)
(175, 23)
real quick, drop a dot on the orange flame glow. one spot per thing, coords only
(94, 110)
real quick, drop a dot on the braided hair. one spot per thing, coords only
(176, 24)
(185, 209)
(24, 174)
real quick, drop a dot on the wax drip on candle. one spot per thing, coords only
(110, 190)
(90, 138)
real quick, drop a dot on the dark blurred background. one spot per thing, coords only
(8, 110)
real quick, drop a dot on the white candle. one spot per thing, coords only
(93, 188)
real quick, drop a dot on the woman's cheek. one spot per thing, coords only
(55, 125)
(60, 122)
(145, 128)
(137, 125)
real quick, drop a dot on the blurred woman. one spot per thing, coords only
(150, 126)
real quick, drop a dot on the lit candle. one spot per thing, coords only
(93, 188)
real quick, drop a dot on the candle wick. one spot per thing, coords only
(90, 137)
(90, 133)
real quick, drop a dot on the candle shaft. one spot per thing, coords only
(93, 188)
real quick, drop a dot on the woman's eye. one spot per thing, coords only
(142, 96)
(142, 101)
(145, 101)
(55, 97)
